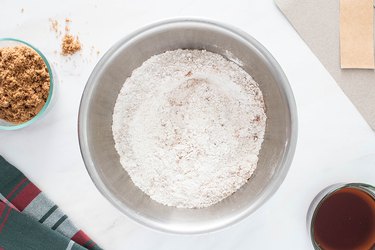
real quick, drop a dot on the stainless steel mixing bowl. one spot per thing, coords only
(104, 84)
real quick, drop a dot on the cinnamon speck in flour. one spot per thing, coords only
(188, 126)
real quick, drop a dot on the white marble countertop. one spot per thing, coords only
(335, 144)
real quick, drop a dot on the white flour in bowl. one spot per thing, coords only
(188, 126)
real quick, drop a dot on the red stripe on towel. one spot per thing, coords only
(15, 188)
(2, 208)
(91, 245)
(26, 196)
(5, 219)
(9, 204)
(80, 237)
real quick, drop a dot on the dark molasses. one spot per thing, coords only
(345, 220)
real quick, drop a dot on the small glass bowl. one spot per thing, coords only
(321, 197)
(11, 42)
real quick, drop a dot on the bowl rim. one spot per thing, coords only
(159, 226)
(50, 91)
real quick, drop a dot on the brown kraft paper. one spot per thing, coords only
(357, 34)
(318, 24)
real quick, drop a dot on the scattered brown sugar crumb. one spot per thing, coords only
(70, 45)
(54, 25)
(67, 27)
(24, 84)
(22, 10)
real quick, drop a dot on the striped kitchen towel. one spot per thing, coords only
(29, 220)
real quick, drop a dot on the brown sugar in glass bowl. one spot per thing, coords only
(26, 84)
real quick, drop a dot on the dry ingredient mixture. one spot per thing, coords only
(188, 126)
(24, 84)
